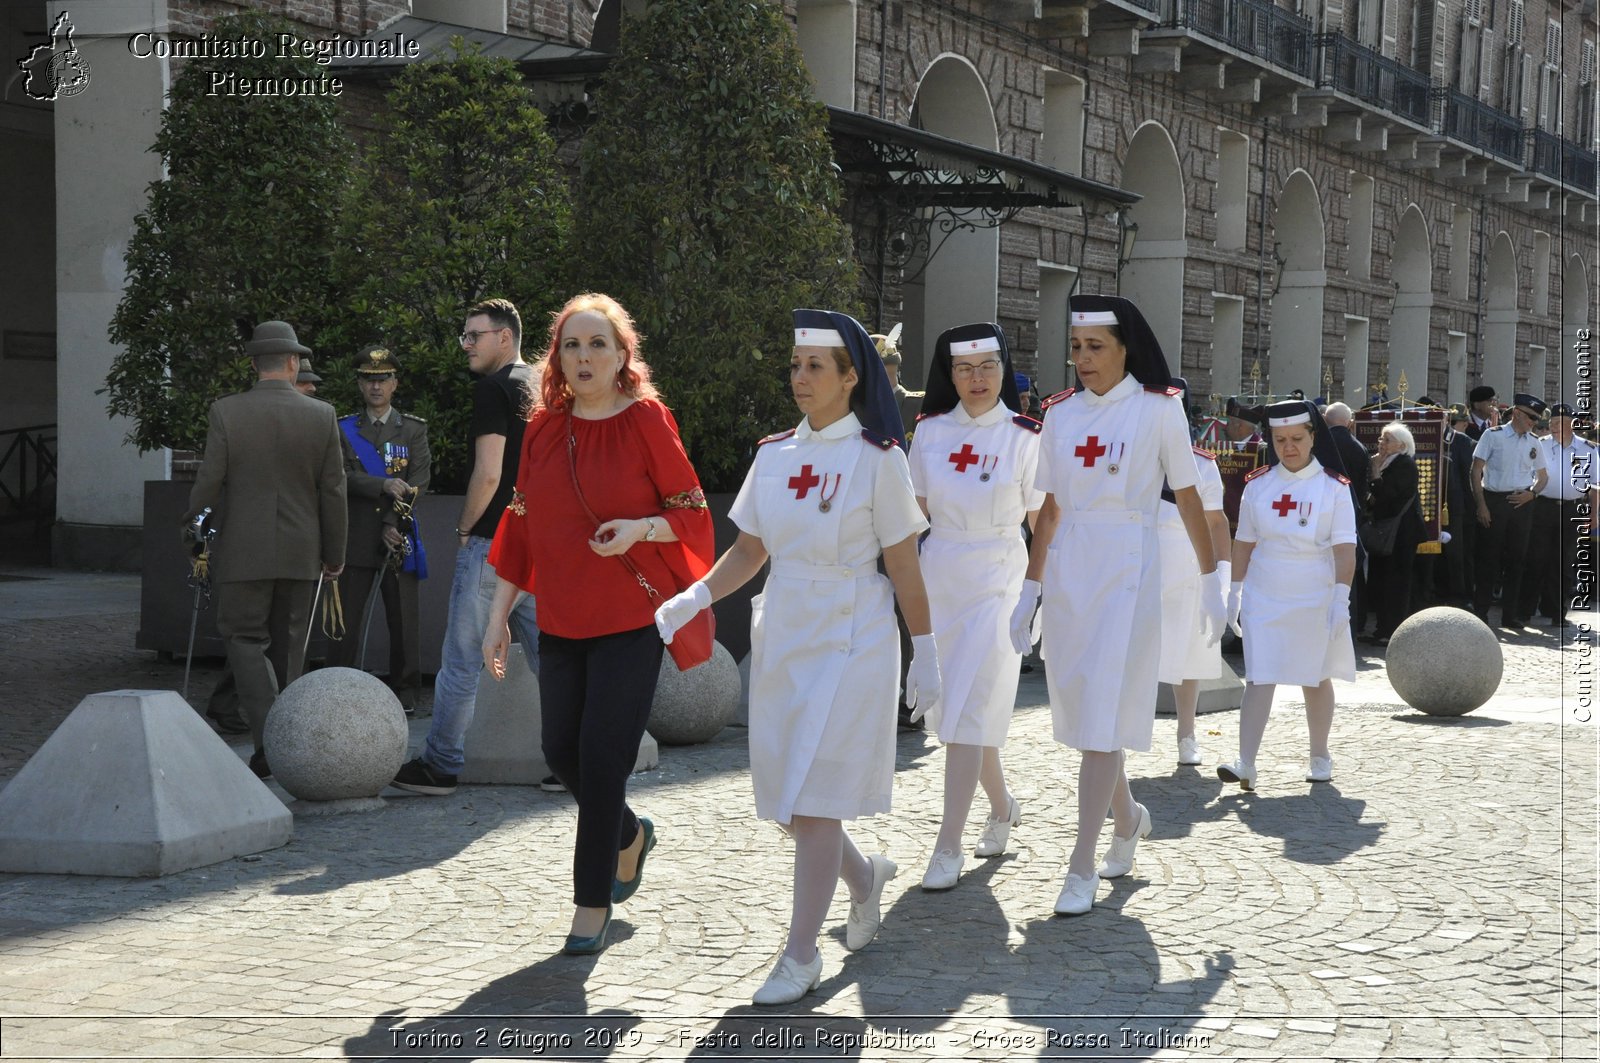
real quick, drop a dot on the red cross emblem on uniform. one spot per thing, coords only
(964, 457)
(1284, 505)
(1089, 451)
(804, 482)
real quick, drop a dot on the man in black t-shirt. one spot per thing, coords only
(502, 397)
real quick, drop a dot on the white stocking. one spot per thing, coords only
(1319, 715)
(1102, 787)
(993, 780)
(818, 850)
(1186, 698)
(1253, 713)
(962, 764)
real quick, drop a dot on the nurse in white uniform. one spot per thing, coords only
(1102, 457)
(1187, 656)
(972, 465)
(1293, 558)
(824, 501)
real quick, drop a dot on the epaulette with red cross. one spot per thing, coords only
(1341, 477)
(1022, 420)
(1057, 397)
(775, 437)
(1258, 472)
(879, 439)
(1202, 452)
(1171, 393)
(924, 416)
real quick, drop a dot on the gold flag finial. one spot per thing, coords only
(1401, 387)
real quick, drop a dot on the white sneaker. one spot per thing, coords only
(1077, 895)
(1240, 772)
(1119, 858)
(1189, 751)
(867, 914)
(997, 832)
(943, 871)
(1321, 770)
(789, 981)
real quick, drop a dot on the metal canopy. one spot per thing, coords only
(919, 169)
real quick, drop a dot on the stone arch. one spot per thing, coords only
(958, 280)
(1500, 317)
(1576, 381)
(1300, 248)
(1153, 275)
(1409, 334)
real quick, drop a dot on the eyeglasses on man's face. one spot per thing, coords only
(964, 370)
(470, 337)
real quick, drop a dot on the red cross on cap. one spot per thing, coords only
(974, 343)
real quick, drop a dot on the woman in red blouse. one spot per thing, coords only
(603, 482)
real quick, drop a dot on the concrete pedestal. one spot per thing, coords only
(1216, 695)
(134, 783)
(502, 745)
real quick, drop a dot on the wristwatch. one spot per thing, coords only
(650, 535)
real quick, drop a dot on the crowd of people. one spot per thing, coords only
(1097, 533)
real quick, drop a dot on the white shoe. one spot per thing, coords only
(1321, 769)
(789, 981)
(1119, 858)
(997, 832)
(943, 870)
(1239, 772)
(1077, 896)
(1189, 751)
(867, 914)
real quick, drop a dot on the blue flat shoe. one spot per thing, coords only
(577, 946)
(620, 890)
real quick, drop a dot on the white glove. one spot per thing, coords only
(1022, 636)
(1235, 603)
(923, 685)
(1339, 607)
(1213, 610)
(681, 608)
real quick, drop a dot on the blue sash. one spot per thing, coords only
(376, 464)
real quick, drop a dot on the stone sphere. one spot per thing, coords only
(694, 706)
(1444, 661)
(335, 734)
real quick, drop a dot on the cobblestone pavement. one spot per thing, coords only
(1436, 901)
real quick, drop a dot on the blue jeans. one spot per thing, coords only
(455, 689)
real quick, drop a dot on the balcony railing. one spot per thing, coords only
(1255, 27)
(1478, 125)
(1560, 159)
(1387, 84)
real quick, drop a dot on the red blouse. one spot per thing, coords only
(631, 465)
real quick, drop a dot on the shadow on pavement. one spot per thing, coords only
(1319, 827)
(1448, 721)
(538, 1012)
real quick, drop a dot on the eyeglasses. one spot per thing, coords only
(966, 369)
(470, 337)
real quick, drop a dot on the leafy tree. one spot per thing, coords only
(707, 207)
(239, 231)
(460, 199)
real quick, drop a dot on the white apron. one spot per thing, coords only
(977, 477)
(1295, 520)
(1184, 653)
(824, 647)
(1103, 457)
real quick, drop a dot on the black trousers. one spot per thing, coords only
(1553, 544)
(1389, 582)
(1502, 547)
(595, 696)
(400, 613)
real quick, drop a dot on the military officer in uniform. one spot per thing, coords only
(1508, 472)
(386, 469)
(274, 472)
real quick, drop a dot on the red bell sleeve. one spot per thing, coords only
(511, 552)
(683, 503)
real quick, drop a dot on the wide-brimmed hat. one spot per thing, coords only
(274, 337)
(307, 374)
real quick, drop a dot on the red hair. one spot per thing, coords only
(633, 376)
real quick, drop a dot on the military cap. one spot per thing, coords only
(1531, 405)
(1561, 409)
(376, 360)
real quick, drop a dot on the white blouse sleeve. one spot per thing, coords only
(1210, 483)
(1028, 457)
(1344, 514)
(895, 513)
(1177, 452)
(1246, 532)
(919, 477)
(744, 509)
